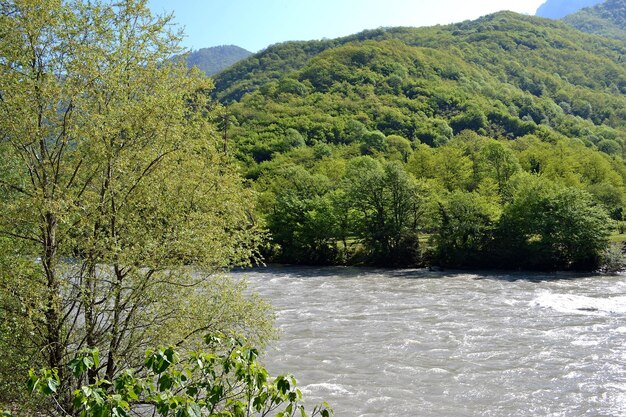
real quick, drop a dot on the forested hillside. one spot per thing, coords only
(606, 19)
(556, 9)
(443, 144)
(215, 59)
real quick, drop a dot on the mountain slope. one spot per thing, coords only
(556, 9)
(358, 144)
(504, 37)
(504, 75)
(606, 19)
(215, 59)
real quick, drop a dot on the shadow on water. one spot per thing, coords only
(299, 271)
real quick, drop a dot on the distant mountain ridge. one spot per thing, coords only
(557, 9)
(606, 19)
(216, 59)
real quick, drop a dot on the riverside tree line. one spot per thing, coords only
(474, 202)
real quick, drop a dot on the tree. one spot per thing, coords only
(472, 119)
(422, 162)
(300, 217)
(399, 147)
(224, 380)
(501, 161)
(374, 142)
(114, 198)
(387, 209)
(467, 223)
(452, 167)
(609, 146)
(354, 131)
(551, 227)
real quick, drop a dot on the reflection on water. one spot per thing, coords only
(418, 343)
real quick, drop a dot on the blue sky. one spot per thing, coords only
(255, 24)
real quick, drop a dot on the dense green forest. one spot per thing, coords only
(217, 58)
(606, 19)
(497, 142)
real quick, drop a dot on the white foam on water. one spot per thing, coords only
(326, 388)
(378, 399)
(438, 371)
(586, 342)
(620, 386)
(580, 304)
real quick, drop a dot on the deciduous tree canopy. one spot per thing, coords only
(116, 207)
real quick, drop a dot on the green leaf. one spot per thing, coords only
(33, 381)
(52, 384)
(283, 385)
(193, 410)
(88, 391)
(165, 382)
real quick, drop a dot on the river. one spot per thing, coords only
(419, 343)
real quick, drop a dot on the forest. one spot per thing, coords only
(606, 19)
(491, 143)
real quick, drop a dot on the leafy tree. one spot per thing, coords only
(609, 146)
(550, 227)
(291, 86)
(435, 132)
(387, 208)
(611, 197)
(452, 167)
(501, 161)
(422, 162)
(465, 232)
(226, 379)
(355, 131)
(301, 217)
(374, 142)
(400, 146)
(112, 187)
(472, 119)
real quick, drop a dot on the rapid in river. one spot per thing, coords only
(418, 343)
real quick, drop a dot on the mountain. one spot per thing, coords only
(449, 117)
(606, 19)
(215, 59)
(505, 75)
(490, 59)
(556, 9)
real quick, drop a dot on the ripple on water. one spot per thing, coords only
(412, 343)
